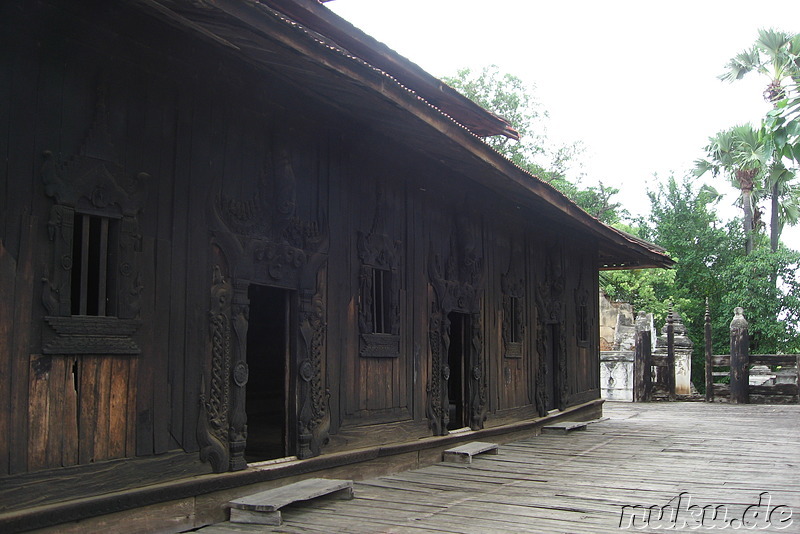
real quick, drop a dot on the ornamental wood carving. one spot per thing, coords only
(512, 285)
(583, 319)
(93, 182)
(457, 288)
(551, 335)
(264, 242)
(377, 251)
(314, 413)
(212, 430)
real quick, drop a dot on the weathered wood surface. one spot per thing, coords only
(564, 427)
(82, 481)
(464, 453)
(277, 498)
(643, 357)
(644, 454)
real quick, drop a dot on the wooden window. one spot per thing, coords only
(378, 314)
(516, 323)
(582, 326)
(92, 283)
(381, 302)
(513, 326)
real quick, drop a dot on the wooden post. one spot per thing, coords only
(642, 361)
(670, 355)
(740, 358)
(709, 358)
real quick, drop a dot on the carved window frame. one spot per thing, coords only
(582, 318)
(582, 324)
(513, 327)
(92, 186)
(379, 254)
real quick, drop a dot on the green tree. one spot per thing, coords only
(775, 56)
(598, 202)
(711, 264)
(508, 96)
(741, 154)
(773, 310)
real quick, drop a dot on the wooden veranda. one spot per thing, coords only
(642, 468)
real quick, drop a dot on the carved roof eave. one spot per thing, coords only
(436, 134)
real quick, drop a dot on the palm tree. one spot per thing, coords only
(741, 154)
(784, 200)
(775, 55)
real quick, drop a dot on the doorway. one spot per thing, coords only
(458, 360)
(268, 356)
(552, 380)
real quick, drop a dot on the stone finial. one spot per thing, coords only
(642, 323)
(679, 330)
(738, 322)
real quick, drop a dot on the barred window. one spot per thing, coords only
(381, 310)
(93, 276)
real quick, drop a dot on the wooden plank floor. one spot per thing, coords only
(643, 454)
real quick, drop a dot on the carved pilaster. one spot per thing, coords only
(213, 425)
(238, 376)
(438, 418)
(314, 414)
(477, 376)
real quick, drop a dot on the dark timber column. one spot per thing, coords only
(671, 355)
(642, 362)
(740, 348)
(709, 358)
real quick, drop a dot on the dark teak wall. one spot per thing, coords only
(199, 130)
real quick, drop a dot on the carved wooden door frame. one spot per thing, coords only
(457, 288)
(261, 241)
(550, 303)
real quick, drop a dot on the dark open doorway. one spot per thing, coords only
(458, 361)
(552, 381)
(268, 351)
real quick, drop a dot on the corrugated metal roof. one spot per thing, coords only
(246, 25)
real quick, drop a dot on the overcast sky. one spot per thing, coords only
(634, 81)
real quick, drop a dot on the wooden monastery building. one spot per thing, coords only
(235, 231)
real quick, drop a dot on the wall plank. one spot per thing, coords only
(8, 272)
(69, 383)
(38, 410)
(20, 366)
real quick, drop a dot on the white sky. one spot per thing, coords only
(635, 81)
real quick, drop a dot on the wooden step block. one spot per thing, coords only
(564, 427)
(263, 508)
(463, 453)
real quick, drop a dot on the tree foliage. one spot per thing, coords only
(508, 96)
(712, 265)
(711, 261)
(776, 56)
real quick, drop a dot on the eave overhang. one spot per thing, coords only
(273, 42)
